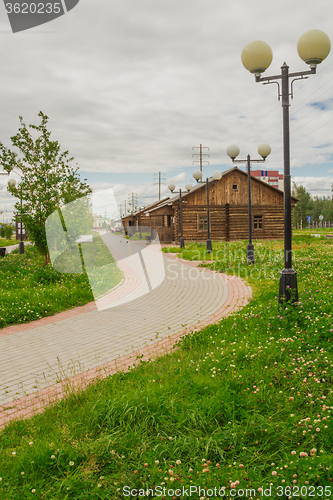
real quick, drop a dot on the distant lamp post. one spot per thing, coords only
(172, 188)
(140, 234)
(197, 174)
(313, 47)
(12, 182)
(233, 151)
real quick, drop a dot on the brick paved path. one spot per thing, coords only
(41, 360)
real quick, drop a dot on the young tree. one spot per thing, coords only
(47, 183)
(304, 206)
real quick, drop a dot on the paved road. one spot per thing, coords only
(37, 358)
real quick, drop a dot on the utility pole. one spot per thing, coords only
(133, 201)
(161, 180)
(200, 154)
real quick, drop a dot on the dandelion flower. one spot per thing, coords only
(71, 463)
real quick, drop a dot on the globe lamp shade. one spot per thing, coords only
(197, 174)
(11, 182)
(313, 47)
(188, 186)
(233, 151)
(264, 150)
(171, 186)
(217, 175)
(257, 56)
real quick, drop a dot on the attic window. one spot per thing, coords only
(234, 187)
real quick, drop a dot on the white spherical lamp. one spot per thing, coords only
(197, 174)
(257, 56)
(12, 182)
(188, 186)
(171, 187)
(217, 175)
(233, 151)
(313, 47)
(264, 150)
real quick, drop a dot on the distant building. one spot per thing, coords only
(272, 177)
(18, 230)
(98, 221)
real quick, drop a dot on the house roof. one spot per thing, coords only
(144, 210)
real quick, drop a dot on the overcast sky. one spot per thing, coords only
(130, 86)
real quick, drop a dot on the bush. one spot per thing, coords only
(6, 231)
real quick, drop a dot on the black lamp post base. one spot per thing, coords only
(288, 286)
(209, 247)
(21, 247)
(140, 237)
(250, 253)
(182, 242)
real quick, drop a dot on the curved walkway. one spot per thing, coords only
(43, 360)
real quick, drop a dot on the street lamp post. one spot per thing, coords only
(12, 182)
(140, 236)
(197, 174)
(233, 151)
(313, 47)
(172, 188)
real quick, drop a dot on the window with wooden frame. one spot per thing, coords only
(234, 187)
(258, 222)
(202, 223)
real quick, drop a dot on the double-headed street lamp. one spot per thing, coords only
(172, 188)
(233, 151)
(12, 182)
(197, 174)
(313, 47)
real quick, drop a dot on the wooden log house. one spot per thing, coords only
(228, 204)
(131, 222)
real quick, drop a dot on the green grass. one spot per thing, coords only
(240, 401)
(30, 290)
(6, 243)
(136, 236)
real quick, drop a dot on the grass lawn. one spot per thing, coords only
(245, 404)
(6, 243)
(30, 291)
(136, 236)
